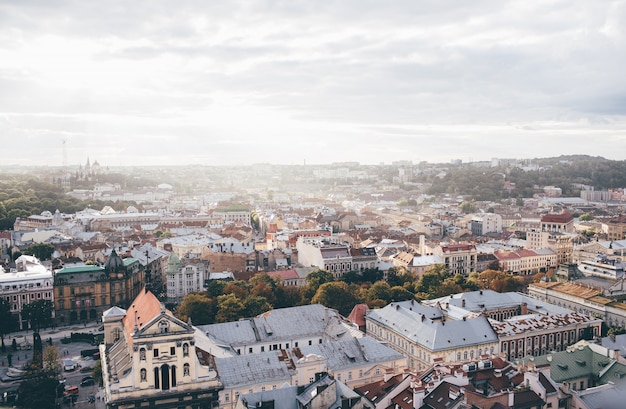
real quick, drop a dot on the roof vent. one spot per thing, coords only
(562, 366)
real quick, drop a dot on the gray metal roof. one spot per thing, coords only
(352, 353)
(243, 370)
(477, 301)
(415, 322)
(275, 325)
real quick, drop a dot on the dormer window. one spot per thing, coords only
(164, 326)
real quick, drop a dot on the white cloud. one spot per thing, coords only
(282, 81)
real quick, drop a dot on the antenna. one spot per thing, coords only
(64, 155)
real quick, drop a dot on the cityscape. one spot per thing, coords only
(393, 285)
(299, 204)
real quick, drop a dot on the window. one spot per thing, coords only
(155, 352)
(250, 350)
(186, 349)
(144, 375)
(142, 354)
(172, 350)
(186, 370)
(262, 349)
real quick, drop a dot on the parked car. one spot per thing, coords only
(87, 381)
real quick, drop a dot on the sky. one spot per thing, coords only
(153, 82)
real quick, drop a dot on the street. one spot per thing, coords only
(66, 351)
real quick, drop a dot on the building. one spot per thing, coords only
(526, 262)
(231, 255)
(585, 376)
(558, 223)
(152, 359)
(233, 215)
(281, 328)
(324, 393)
(30, 281)
(560, 243)
(82, 293)
(325, 255)
(615, 228)
(485, 223)
(427, 335)
(458, 258)
(524, 325)
(184, 279)
(581, 298)
(351, 361)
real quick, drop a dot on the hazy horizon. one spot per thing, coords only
(235, 83)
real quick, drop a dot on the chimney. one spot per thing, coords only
(524, 308)
(463, 303)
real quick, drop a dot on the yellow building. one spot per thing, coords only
(83, 293)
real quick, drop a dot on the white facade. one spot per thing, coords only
(30, 281)
(182, 280)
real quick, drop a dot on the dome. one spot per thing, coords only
(173, 264)
(114, 263)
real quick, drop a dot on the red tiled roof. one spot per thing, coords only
(358, 313)
(142, 310)
(283, 274)
(564, 217)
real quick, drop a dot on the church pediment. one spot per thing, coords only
(164, 325)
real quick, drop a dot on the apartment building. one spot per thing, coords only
(326, 255)
(458, 258)
(427, 335)
(186, 278)
(526, 262)
(485, 223)
(29, 281)
(83, 292)
(524, 325)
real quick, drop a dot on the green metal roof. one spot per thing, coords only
(80, 270)
(129, 260)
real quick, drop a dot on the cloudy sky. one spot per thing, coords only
(239, 82)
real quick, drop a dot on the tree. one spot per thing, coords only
(97, 372)
(51, 361)
(38, 313)
(238, 288)
(8, 323)
(255, 305)
(314, 280)
(197, 306)
(229, 308)
(38, 392)
(215, 287)
(43, 251)
(380, 290)
(336, 295)
(287, 296)
(401, 294)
